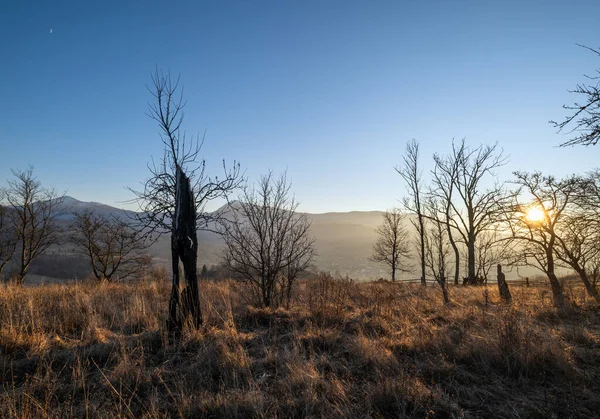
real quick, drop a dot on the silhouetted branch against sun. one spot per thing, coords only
(156, 199)
(584, 119)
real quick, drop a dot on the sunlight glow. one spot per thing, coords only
(535, 214)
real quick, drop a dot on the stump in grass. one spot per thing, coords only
(184, 248)
(503, 285)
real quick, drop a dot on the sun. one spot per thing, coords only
(535, 214)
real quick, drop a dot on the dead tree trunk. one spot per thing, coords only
(184, 248)
(503, 285)
(590, 288)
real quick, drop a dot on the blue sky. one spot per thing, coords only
(329, 90)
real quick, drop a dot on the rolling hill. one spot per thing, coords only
(343, 242)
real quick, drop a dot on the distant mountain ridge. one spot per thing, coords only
(70, 206)
(343, 240)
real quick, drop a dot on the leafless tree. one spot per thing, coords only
(549, 198)
(9, 237)
(34, 211)
(301, 253)
(173, 199)
(578, 233)
(412, 175)
(392, 247)
(437, 250)
(442, 189)
(577, 247)
(585, 117)
(112, 248)
(157, 198)
(493, 248)
(474, 209)
(268, 243)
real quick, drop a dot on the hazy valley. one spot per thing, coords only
(344, 243)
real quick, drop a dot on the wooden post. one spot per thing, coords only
(503, 285)
(184, 248)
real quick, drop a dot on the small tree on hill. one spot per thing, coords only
(579, 233)
(112, 248)
(473, 208)
(442, 189)
(9, 237)
(534, 216)
(268, 243)
(33, 210)
(392, 247)
(437, 249)
(411, 172)
(204, 272)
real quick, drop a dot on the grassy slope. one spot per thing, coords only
(342, 350)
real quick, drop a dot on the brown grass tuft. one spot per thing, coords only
(342, 349)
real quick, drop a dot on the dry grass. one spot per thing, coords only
(342, 350)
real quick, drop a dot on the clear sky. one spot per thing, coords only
(329, 90)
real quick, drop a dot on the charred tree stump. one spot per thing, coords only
(184, 249)
(503, 285)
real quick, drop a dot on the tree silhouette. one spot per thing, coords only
(585, 116)
(392, 246)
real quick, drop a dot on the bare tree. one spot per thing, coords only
(392, 247)
(437, 251)
(268, 243)
(493, 248)
(577, 247)
(112, 248)
(473, 208)
(301, 252)
(412, 175)
(578, 233)
(173, 199)
(442, 189)
(34, 211)
(157, 198)
(9, 237)
(538, 206)
(585, 117)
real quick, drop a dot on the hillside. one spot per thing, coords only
(343, 350)
(343, 243)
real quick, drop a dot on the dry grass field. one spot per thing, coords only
(343, 349)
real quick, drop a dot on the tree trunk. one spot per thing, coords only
(288, 290)
(557, 292)
(471, 262)
(174, 320)
(590, 288)
(456, 254)
(444, 290)
(393, 274)
(266, 291)
(184, 248)
(422, 237)
(503, 285)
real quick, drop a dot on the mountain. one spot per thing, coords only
(343, 241)
(70, 206)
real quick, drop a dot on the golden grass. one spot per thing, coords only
(343, 349)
